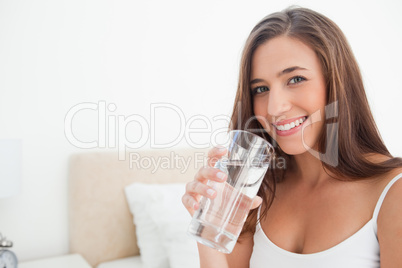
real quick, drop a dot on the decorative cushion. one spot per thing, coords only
(161, 225)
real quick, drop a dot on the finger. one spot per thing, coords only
(196, 188)
(190, 203)
(208, 173)
(215, 154)
(191, 200)
(256, 202)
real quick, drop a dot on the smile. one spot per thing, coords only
(289, 125)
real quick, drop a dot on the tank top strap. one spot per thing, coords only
(381, 199)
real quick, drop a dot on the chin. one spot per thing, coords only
(296, 147)
(293, 150)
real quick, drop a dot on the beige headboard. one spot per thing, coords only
(100, 224)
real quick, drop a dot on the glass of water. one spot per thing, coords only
(218, 222)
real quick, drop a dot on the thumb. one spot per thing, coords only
(256, 202)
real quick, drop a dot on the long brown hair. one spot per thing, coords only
(350, 134)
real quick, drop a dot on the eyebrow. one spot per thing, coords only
(285, 71)
(291, 69)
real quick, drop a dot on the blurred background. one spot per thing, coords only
(87, 75)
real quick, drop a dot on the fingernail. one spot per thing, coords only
(210, 192)
(195, 206)
(221, 149)
(220, 175)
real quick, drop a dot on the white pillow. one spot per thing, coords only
(161, 223)
(149, 240)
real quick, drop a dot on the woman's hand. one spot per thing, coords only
(198, 187)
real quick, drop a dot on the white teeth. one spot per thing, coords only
(291, 125)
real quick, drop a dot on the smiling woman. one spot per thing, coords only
(291, 88)
(301, 89)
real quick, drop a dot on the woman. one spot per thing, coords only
(333, 204)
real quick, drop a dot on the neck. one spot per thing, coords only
(308, 170)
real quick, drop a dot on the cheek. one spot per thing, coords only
(261, 113)
(314, 101)
(260, 107)
(321, 93)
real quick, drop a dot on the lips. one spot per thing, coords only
(289, 126)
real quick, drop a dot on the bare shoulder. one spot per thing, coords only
(394, 191)
(390, 223)
(381, 181)
(394, 194)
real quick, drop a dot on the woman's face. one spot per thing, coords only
(289, 93)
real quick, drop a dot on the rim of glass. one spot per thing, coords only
(269, 145)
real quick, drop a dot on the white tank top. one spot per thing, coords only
(359, 250)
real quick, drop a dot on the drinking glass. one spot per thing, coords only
(218, 222)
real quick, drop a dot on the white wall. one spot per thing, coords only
(55, 55)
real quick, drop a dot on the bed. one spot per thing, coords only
(102, 217)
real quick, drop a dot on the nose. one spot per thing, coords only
(278, 102)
